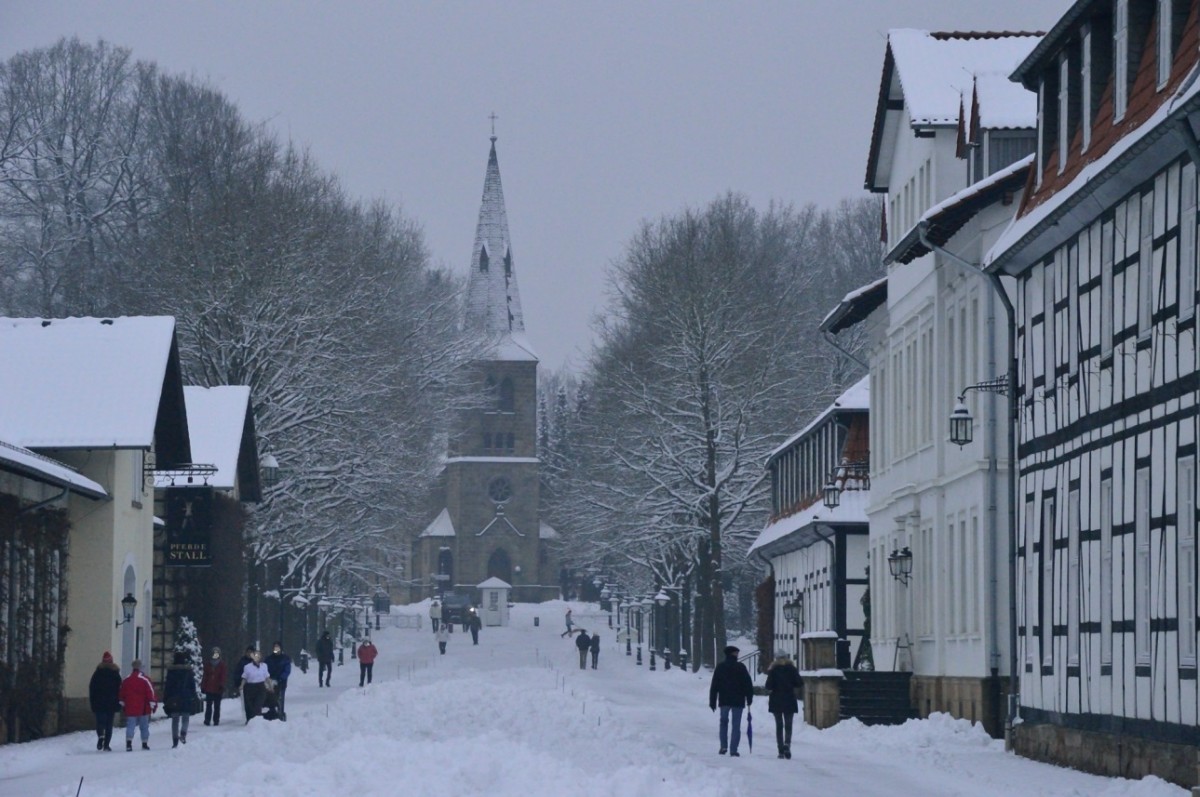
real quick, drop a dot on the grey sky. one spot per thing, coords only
(609, 113)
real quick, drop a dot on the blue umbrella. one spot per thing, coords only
(750, 730)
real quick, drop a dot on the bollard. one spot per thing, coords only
(639, 656)
(666, 659)
(683, 660)
(651, 659)
(628, 646)
(536, 621)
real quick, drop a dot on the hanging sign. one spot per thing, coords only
(189, 526)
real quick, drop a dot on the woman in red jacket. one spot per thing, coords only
(138, 702)
(212, 684)
(366, 661)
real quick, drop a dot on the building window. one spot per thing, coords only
(1106, 571)
(1141, 569)
(1048, 519)
(1031, 581)
(1106, 282)
(1187, 241)
(1064, 110)
(507, 401)
(1073, 595)
(1120, 59)
(1185, 513)
(487, 440)
(1087, 113)
(1146, 265)
(1165, 42)
(483, 257)
(1042, 132)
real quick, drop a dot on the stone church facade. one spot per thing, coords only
(488, 524)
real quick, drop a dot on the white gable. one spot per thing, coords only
(216, 418)
(440, 527)
(83, 382)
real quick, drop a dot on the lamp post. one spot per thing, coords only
(962, 424)
(268, 468)
(792, 612)
(625, 605)
(900, 565)
(637, 607)
(662, 599)
(128, 604)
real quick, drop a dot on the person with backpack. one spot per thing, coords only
(732, 689)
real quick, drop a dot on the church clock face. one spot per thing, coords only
(500, 490)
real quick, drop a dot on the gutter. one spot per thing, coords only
(47, 502)
(993, 279)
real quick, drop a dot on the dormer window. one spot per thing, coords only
(1165, 50)
(1120, 59)
(1064, 110)
(483, 258)
(1087, 112)
(508, 263)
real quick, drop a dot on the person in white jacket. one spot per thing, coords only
(254, 686)
(435, 615)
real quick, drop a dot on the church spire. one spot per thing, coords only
(493, 301)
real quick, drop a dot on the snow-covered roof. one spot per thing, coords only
(1003, 104)
(936, 70)
(1095, 180)
(22, 461)
(856, 397)
(493, 301)
(947, 217)
(546, 531)
(440, 527)
(83, 382)
(494, 583)
(851, 510)
(855, 306)
(513, 347)
(216, 421)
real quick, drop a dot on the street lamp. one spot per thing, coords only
(900, 565)
(269, 469)
(792, 612)
(128, 604)
(962, 425)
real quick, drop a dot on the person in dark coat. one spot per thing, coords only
(476, 623)
(595, 648)
(324, 659)
(212, 684)
(732, 689)
(279, 664)
(584, 643)
(179, 697)
(240, 668)
(783, 679)
(103, 694)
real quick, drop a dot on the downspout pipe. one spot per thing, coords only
(1010, 312)
(47, 502)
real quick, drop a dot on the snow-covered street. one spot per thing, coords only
(515, 717)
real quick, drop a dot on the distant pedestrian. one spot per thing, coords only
(476, 624)
(279, 665)
(366, 661)
(595, 647)
(570, 624)
(179, 697)
(783, 679)
(212, 684)
(733, 689)
(584, 643)
(254, 686)
(104, 695)
(138, 702)
(435, 614)
(240, 667)
(443, 636)
(324, 659)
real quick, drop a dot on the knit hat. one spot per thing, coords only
(106, 658)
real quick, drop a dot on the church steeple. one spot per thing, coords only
(493, 301)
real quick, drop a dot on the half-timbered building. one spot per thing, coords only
(1103, 251)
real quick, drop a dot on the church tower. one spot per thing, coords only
(490, 526)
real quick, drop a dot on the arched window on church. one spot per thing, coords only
(491, 394)
(487, 440)
(510, 442)
(500, 566)
(483, 258)
(506, 395)
(508, 263)
(446, 567)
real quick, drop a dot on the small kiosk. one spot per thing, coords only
(493, 601)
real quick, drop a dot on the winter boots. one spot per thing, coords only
(174, 742)
(145, 745)
(99, 742)
(183, 737)
(785, 751)
(129, 745)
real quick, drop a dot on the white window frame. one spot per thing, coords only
(1085, 87)
(1185, 522)
(1141, 569)
(1106, 570)
(1064, 109)
(1146, 266)
(1165, 53)
(1107, 248)
(1120, 59)
(1073, 594)
(1187, 240)
(1031, 582)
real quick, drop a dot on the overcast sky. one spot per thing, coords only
(609, 112)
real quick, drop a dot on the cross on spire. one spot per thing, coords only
(493, 117)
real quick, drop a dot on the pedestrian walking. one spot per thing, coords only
(595, 648)
(254, 686)
(324, 659)
(212, 684)
(732, 689)
(443, 636)
(435, 614)
(279, 665)
(584, 643)
(179, 697)
(104, 696)
(476, 625)
(783, 679)
(570, 625)
(138, 702)
(240, 667)
(366, 661)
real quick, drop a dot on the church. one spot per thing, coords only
(489, 525)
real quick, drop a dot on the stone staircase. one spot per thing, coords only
(876, 698)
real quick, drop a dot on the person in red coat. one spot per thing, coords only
(138, 702)
(366, 661)
(212, 684)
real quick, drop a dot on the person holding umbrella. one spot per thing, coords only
(732, 689)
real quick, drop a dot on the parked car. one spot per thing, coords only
(455, 606)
